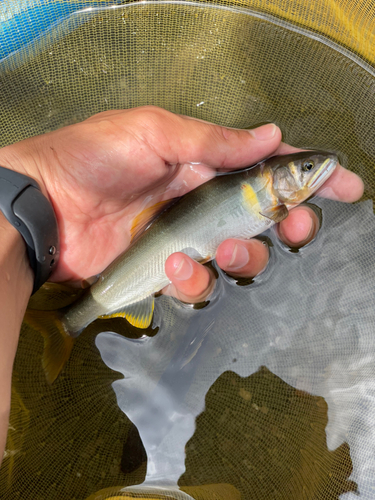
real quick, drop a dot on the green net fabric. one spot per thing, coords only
(277, 401)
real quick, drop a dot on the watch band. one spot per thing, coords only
(29, 211)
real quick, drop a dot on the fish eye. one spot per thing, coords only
(307, 166)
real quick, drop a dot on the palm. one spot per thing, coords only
(100, 183)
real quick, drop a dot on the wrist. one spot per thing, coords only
(25, 207)
(16, 284)
(15, 272)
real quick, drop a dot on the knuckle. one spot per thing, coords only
(150, 116)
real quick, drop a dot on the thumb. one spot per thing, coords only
(197, 141)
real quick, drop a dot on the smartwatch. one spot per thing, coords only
(30, 212)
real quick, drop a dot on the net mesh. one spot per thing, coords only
(295, 428)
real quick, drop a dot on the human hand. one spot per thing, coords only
(99, 174)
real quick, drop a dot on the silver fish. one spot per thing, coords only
(241, 204)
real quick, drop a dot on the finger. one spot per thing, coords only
(299, 228)
(343, 185)
(190, 281)
(245, 258)
(225, 148)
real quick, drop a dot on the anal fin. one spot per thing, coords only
(138, 314)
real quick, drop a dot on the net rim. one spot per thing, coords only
(241, 10)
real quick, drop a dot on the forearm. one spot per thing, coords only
(16, 283)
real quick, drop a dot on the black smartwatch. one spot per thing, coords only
(30, 212)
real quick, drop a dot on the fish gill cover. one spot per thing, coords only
(309, 319)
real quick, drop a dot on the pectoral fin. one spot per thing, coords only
(277, 214)
(147, 216)
(138, 314)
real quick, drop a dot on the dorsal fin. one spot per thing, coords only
(147, 216)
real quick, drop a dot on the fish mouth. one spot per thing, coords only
(325, 170)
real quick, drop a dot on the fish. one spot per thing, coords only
(240, 204)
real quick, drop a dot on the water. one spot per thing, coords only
(299, 320)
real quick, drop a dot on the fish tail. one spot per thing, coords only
(58, 344)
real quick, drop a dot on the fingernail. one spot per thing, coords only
(264, 133)
(240, 257)
(184, 270)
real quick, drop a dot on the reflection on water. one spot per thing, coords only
(259, 438)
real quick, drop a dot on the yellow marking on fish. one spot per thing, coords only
(121, 314)
(142, 321)
(58, 344)
(293, 168)
(250, 199)
(147, 216)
